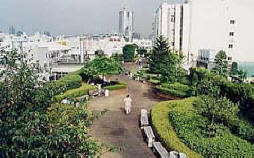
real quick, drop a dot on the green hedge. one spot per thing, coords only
(176, 90)
(236, 92)
(154, 81)
(120, 85)
(166, 132)
(191, 128)
(69, 82)
(74, 93)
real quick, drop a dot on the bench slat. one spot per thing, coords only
(149, 135)
(160, 149)
(173, 154)
(144, 118)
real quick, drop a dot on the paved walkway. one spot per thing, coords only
(122, 130)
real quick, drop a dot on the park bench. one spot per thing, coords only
(93, 92)
(182, 155)
(149, 136)
(144, 118)
(173, 154)
(158, 148)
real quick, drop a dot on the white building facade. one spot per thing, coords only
(194, 25)
(126, 23)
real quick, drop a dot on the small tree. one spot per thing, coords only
(30, 126)
(129, 52)
(242, 75)
(221, 64)
(165, 61)
(217, 110)
(234, 69)
(102, 66)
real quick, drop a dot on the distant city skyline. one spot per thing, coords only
(75, 17)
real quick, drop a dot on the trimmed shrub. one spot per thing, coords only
(166, 132)
(74, 93)
(176, 90)
(117, 86)
(191, 128)
(154, 81)
(242, 93)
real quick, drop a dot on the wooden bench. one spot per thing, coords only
(173, 154)
(158, 148)
(149, 136)
(143, 118)
(182, 155)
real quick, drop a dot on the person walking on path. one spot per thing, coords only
(127, 102)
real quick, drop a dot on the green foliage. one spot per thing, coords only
(243, 93)
(164, 129)
(217, 110)
(191, 129)
(142, 51)
(154, 81)
(69, 126)
(102, 66)
(221, 64)
(27, 130)
(166, 62)
(74, 93)
(129, 52)
(234, 69)
(119, 85)
(176, 90)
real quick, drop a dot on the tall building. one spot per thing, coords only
(12, 30)
(195, 25)
(126, 23)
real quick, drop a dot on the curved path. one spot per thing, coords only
(118, 129)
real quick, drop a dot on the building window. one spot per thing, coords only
(230, 46)
(231, 33)
(232, 21)
(229, 58)
(172, 18)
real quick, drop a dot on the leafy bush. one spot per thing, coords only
(27, 128)
(242, 93)
(68, 82)
(154, 81)
(176, 89)
(117, 86)
(164, 129)
(128, 52)
(190, 128)
(74, 93)
(69, 126)
(220, 110)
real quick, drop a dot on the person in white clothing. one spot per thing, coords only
(127, 102)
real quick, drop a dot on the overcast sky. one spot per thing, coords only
(75, 16)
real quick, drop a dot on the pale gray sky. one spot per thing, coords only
(75, 16)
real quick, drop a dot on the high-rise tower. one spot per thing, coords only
(126, 23)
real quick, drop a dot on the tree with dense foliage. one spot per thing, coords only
(102, 66)
(221, 64)
(142, 51)
(234, 69)
(166, 62)
(30, 125)
(242, 75)
(129, 52)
